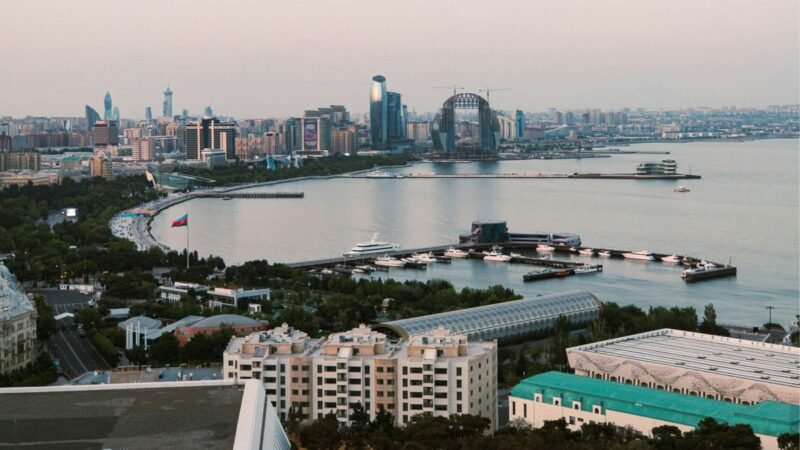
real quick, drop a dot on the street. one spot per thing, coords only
(76, 354)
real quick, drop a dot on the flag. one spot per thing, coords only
(181, 221)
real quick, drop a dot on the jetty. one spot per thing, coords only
(249, 195)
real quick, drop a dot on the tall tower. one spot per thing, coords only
(168, 103)
(148, 113)
(378, 113)
(108, 112)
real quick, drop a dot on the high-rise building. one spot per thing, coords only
(208, 111)
(167, 103)
(419, 132)
(434, 372)
(519, 123)
(344, 140)
(91, 117)
(142, 149)
(378, 113)
(210, 133)
(148, 113)
(100, 166)
(108, 111)
(105, 134)
(315, 133)
(30, 160)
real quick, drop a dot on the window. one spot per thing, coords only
(537, 398)
(230, 362)
(513, 408)
(576, 405)
(525, 410)
(405, 370)
(380, 369)
(458, 371)
(440, 371)
(556, 401)
(596, 409)
(415, 369)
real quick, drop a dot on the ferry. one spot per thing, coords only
(496, 256)
(453, 252)
(371, 247)
(640, 255)
(388, 261)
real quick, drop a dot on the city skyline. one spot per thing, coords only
(565, 56)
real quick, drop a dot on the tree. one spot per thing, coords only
(89, 318)
(789, 441)
(356, 435)
(321, 434)
(165, 349)
(137, 355)
(711, 434)
(709, 324)
(46, 324)
(557, 349)
(666, 437)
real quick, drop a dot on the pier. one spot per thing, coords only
(526, 175)
(249, 195)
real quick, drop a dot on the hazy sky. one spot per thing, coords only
(277, 58)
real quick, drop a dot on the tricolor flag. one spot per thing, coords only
(181, 221)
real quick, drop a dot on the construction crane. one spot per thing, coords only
(454, 87)
(490, 90)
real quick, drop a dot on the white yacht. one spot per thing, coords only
(496, 256)
(388, 261)
(641, 255)
(604, 253)
(424, 257)
(671, 259)
(455, 253)
(370, 248)
(681, 189)
(545, 248)
(586, 251)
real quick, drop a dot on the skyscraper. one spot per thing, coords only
(100, 166)
(395, 117)
(378, 113)
(91, 117)
(210, 133)
(519, 122)
(168, 103)
(148, 113)
(208, 111)
(108, 111)
(105, 134)
(115, 114)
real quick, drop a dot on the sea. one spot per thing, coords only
(745, 210)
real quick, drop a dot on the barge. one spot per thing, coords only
(707, 271)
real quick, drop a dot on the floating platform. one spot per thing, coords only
(250, 194)
(526, 175)
(691, 276)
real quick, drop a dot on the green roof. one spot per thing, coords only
(767, 418)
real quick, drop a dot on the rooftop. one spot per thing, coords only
(768, 418)
(13, 302)
(225, 319)
(122, 416)
(737, 358)
(499, 315)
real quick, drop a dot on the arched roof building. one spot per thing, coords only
(504, 321)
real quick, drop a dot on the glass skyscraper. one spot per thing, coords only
(378, 113)
(108, 112)
(168, 103)
(91, 117)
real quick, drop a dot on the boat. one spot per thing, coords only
(682, 189)
(604, 253)
(640, 255)
(539, 274)
(586, 251)
(371, 247)
(545, 248)
(588, 268)
(672, 259)
(706, 270)
(443, 259)
(573, 249)
(453, 252)
(379, 174)
(424, 257)
(564, 272)
(515, 255)
(413, 263)
(496, 256)
(227, 198)
(388, 261)
(358, 270)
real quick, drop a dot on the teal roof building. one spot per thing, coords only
(767, 418)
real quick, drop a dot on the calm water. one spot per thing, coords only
(745, 207)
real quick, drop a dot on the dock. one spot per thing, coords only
(249, 194)
(530, 175)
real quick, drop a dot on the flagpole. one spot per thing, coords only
(187, 243)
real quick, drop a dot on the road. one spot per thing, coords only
(75, 353)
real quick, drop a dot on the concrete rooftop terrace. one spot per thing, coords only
(177, 415)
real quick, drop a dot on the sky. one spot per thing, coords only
(268, 58)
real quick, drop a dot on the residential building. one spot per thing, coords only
(419, 132)
(20, 160)
(17, 324)
(344, 140)
(105, 134)
(210, 133)
(695, 364)
(100, 166)
(437, 372)
(17, 178)
(582, 400)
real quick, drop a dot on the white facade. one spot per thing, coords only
(17, 324)
(436, 372)
(231, 296)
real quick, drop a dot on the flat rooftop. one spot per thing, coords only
(737, 358)
(121, 417)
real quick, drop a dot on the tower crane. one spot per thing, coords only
(490, 90)
(454, 87)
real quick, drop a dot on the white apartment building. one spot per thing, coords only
(437, 372)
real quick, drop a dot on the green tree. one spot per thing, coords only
(789, 441)
(46, 324)
(711, 434)
(137, 355)
(321, 434)
(709, 324)
(165, 350)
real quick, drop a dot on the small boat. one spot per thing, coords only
(588, 268)
(573, 249)
(515, 255)
(699, 269)
(682, 189)
(496, 256)
(539, 274)
(326, 271)
(455, 253)
(604, 253)
(424, 257)
(586, 251)
(545, 248)
(227, 198)
(672, 259)
(643, 255)
(443, 259)
(358, 270)
(413, 263)
(388, 261)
